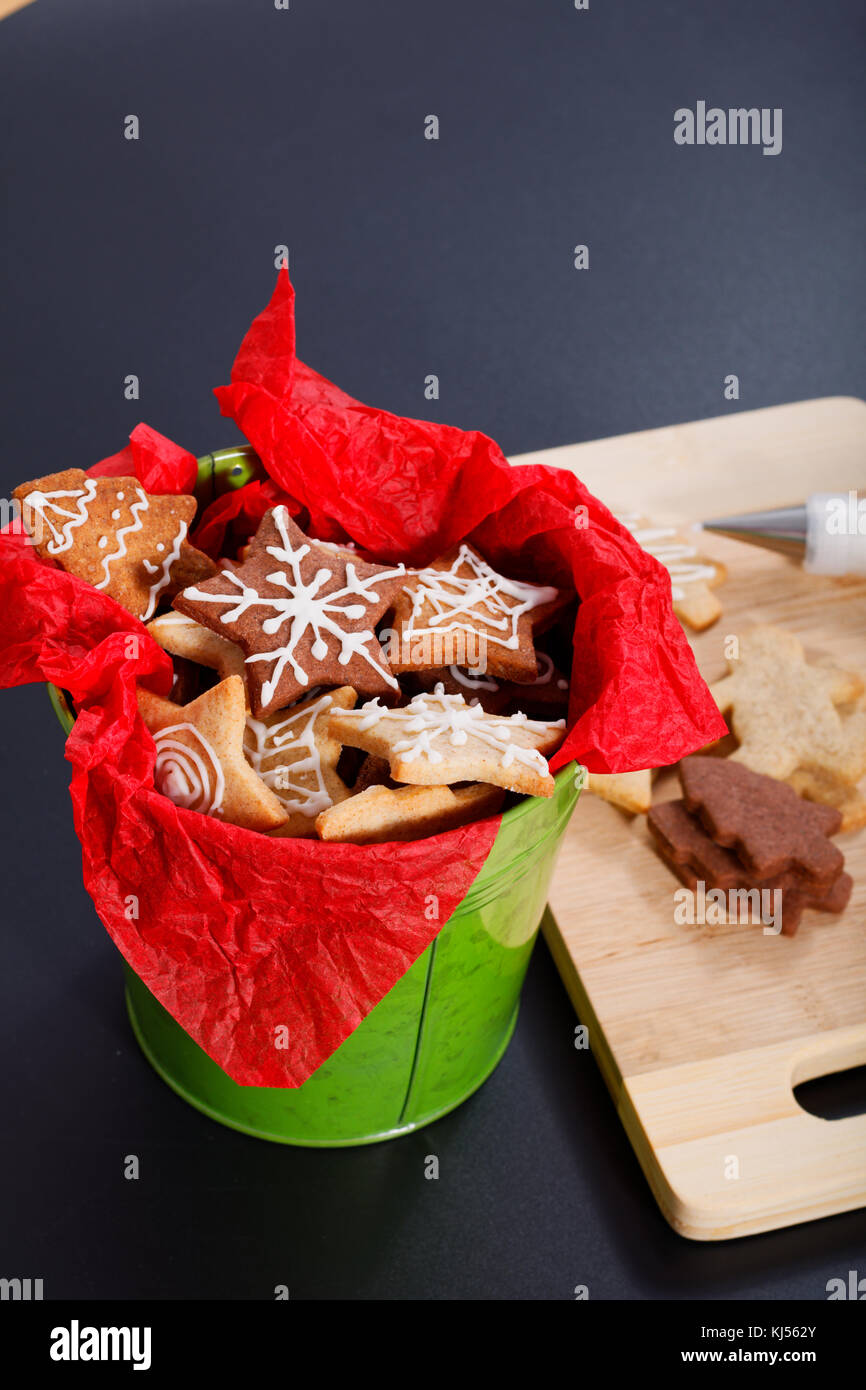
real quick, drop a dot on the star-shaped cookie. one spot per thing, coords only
(185, 637)
(461, 612)
(380, 814)
(114, 535)
(438, 739)
(200, 761)
(295, 755)
(303, 615)
(783, 711)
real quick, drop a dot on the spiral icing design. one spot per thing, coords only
(188, 770)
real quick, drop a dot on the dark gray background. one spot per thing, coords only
(305, 127)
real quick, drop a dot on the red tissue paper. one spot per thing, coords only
(239, 935)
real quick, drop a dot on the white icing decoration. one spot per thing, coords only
(475, 601)
(44, 505)
(471, 680)
(434, 719)
(139, 506)
(115, 515)
(119, 496)
(190, 777)
(298, 732)
(102, 542)
(545, 673)
(666, 544)
(163, 572)
(177, 620)
(474, 680)
(337, 546)
(305, 610)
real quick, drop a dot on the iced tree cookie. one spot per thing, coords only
(114, 535)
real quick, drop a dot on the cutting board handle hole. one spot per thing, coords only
(836, 1096)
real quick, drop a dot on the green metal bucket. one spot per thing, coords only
(437, 1035)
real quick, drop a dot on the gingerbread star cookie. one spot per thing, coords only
(302, 614)
(693, 576)
(461, 612)
(380, 814)
(784, 711)
(200, 761)
(438, 739)
(114, 535)
(296, 757)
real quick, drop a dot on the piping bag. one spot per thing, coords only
(828, 531)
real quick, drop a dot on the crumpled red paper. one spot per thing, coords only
(238, 934)
(238, 512)
(158, 464)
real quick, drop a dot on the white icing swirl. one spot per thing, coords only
(191, 776)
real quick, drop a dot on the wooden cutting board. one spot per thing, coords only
(702, 1032)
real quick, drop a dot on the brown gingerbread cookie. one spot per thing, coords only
(113, 534)
(460, 612)
(771, 829)
(695, 857)
(303, 615)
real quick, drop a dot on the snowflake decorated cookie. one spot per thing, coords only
(295, 755)
(460, 611)
(200, 761)
(438, 739)
(303, 614)
(113, 534)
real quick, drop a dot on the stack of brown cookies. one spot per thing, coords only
(752, 838)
